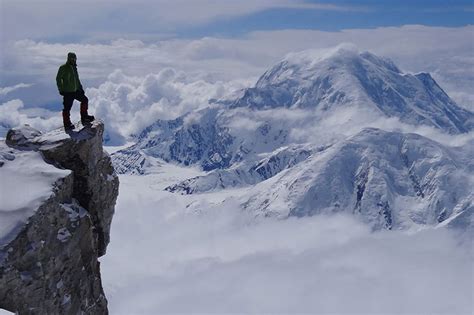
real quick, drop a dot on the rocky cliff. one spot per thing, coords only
(51, 240)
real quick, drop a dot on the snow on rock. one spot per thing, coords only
(391, 180)
(26, 182)
(58, 197)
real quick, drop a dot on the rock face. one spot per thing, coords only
(50, 265)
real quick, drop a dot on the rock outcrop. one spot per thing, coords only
(49, 264)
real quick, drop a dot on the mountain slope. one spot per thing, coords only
(214, 138)
(389, 179)
(244, 173)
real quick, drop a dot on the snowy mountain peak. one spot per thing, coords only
(345, 77)
(306, 64)
(307, 93)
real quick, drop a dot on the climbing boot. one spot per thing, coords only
(85, 117)
(68, 126)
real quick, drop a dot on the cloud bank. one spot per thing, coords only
(162, 79)
(5, 90)
(99, 19)
(167, 256)
(129, 104)
(13, 113)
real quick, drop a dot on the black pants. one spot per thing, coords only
(69, 98)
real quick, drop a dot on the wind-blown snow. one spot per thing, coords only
(26, 181)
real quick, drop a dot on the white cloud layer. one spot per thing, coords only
(94, 19)
(146, 81)
(443, 51)
(129, 104)
(166, 258)
(8, 89)
(333, 126)
(13, 113)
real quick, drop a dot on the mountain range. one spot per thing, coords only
(303, 139)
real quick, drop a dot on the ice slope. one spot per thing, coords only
(346, 77)
(389, 179)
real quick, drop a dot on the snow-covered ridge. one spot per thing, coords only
(244, 174)
(391, 180)
(213, 138)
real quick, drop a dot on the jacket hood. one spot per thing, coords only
(71, 56)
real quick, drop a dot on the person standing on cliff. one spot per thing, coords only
(70, 88)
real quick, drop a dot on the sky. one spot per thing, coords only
(95, 20)
(222, 45)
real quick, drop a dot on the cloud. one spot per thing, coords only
(94, 19)
(342, 123)
(219, 259)
(164, 79)
(5, 90)
(414, 48)
(129, 104)
(321, 128)
(13, 113)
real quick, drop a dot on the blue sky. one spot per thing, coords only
(88, 21)
(358, 14)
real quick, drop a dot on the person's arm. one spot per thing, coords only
(79, 81)
(59, 79)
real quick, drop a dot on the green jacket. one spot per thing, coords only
(67, 79)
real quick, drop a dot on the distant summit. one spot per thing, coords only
(345, 77)
(311, 87)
